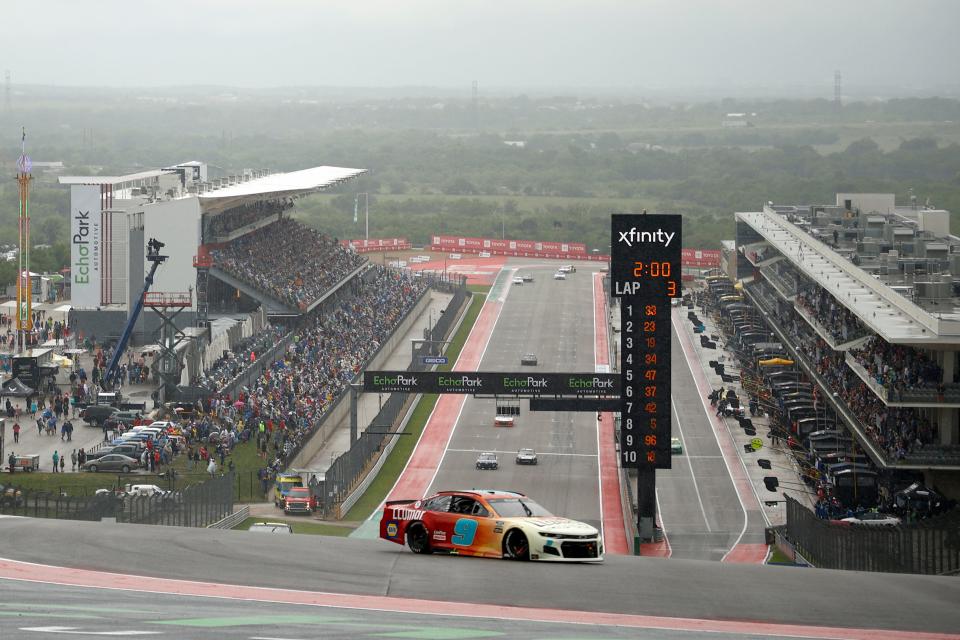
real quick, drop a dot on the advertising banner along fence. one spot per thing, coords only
(507, 247)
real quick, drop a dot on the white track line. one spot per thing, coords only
(693, 476)
(663, 527)
(726, 463)
(539, 453)
(596, 423)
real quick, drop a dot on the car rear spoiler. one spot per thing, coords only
(389, 503)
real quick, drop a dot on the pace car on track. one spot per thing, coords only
(489, 524)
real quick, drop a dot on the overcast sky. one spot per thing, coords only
(500, 43)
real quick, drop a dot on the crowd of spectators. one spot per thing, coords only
(837, 320)
(288, 261)
(898, 368)
(238, 217)
(898, 431)
(296, 390)
(236, 360)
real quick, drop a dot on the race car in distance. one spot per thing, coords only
(489, 524)
(487, 460)
(559, 275)
(527, 277)
(518, 280)
(528, 359)
(526, 456)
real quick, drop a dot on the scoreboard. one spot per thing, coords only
(645, 275)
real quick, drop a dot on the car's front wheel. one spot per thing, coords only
(125, 469)
(93, 468)
(417, 538)
(515, 545)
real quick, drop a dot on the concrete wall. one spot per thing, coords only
(341, 409)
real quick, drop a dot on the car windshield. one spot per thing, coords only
(300, 492)
(517, 507)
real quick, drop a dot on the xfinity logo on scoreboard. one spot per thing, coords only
(631, 236)
(493, 383)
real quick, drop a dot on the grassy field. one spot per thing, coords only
(398, 458)
(300, 526)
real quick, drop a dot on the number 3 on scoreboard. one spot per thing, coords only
(671, 288)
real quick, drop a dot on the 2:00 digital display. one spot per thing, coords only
(645, 274)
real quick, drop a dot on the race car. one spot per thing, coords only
(526, 456)
(487, 460)
(528, 359)
(491, 524)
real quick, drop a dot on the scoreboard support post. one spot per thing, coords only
(645, 275)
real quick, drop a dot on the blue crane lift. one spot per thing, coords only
(154, 257)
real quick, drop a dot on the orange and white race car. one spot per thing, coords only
(490, 524)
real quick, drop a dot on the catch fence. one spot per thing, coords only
(930, 546)
(195, 505)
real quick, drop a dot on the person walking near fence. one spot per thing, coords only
(63, 464)
(56, 461)
(212, 467)
(73, 460)
(16, 432)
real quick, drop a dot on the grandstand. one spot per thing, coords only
(864, 294)
(193, 214)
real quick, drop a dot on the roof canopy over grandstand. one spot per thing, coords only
(277, 185)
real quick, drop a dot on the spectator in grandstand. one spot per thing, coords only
(837, 320)
(323, 356)
(288, 261)
(898, 367)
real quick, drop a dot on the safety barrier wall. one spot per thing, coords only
(516, 248)
(930, 546)
(340, 409)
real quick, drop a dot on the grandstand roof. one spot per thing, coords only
(285, 184)
(889, 314)
(114, 180)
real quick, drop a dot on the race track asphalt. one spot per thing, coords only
(621, 585)
(554, 320)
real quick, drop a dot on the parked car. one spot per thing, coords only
(487, 460)
(526, 456)
(112, 462)
(130, 449)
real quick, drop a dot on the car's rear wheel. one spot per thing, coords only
(417, 538)
(93, 468)
(125, 469)
(515, 545)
